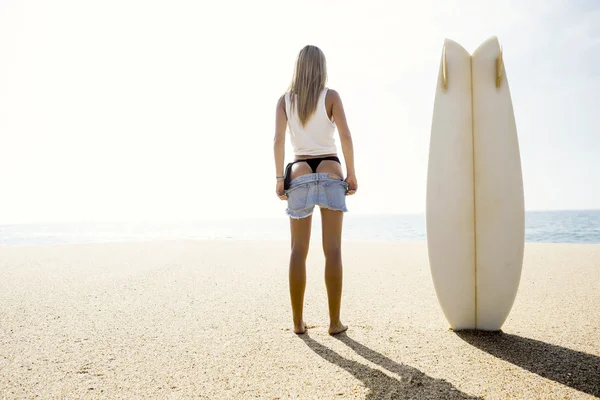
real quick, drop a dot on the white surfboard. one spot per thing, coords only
(475, 203)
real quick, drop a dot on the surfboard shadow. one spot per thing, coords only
(413, 384)
(578, 370)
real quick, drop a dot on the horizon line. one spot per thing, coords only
(270, 217)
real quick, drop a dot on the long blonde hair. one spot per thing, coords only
(310, 77)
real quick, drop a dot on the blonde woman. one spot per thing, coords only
(312, 112)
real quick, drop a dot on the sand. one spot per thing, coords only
(211, 320)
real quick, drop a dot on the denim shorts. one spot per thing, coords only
(319, 189)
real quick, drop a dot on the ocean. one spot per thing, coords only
(540, 227)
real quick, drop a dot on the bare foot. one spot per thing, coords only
(300, 329)
(337, 328)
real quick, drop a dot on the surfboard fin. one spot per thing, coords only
(444, 69)
(499, 65)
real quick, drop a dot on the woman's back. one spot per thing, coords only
(315, 137)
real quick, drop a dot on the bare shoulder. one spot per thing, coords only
(281, 103)
(333, 101)
(333, 95)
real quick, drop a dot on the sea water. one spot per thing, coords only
(540, 227)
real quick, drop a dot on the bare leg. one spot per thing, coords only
(300, 233)
(300, 229)
(332, 247)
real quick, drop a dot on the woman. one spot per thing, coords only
(311, 111)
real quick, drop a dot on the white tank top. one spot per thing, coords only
(316, 137)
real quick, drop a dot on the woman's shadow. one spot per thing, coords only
(413, 384)
(580, 371)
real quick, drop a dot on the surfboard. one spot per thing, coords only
(474, 201)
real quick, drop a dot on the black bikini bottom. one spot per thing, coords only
(313, 163)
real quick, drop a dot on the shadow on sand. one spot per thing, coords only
(580, 371)
(412, 384)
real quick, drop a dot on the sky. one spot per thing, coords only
(136, 110)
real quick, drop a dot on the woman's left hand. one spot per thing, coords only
(280, 191)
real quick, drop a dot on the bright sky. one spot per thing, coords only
(151, 110)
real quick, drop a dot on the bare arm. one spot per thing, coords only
(339, 116)
(279, 139)
(279, 142)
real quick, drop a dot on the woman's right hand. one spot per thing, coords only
(352, 184)
(280, 191)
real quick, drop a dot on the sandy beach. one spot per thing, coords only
(211, 320)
